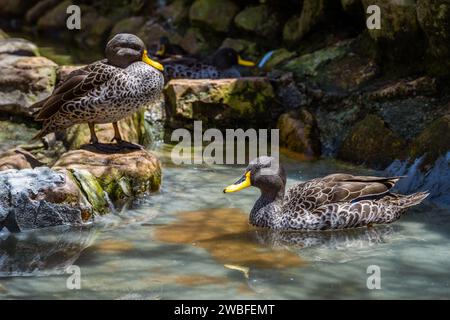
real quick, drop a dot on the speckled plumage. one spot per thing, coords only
(100, 93)
(337, 201)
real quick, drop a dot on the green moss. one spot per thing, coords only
(92, 189)
(216, 14)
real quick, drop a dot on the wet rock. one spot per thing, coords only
(278, 57)
(313, 13)
(121, 175)
(225, 103)
(18, 159)
(15, 131)
(259, 21)
(434, 17)
(298, 132)
(128, 25)
(40, 198)
(133, 129)
(421, 175)
(19, 47)
(55, 18)
(371, 143)
(24, 81)
(176, 12)
(290, 94)
(207, 12)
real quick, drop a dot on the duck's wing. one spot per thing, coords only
(337, 188)
(77, 84)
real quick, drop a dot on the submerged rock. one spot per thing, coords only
(40, 198)
(121, 175)
(298, 132)
(24, 81)
(371, 143)
(223, 103)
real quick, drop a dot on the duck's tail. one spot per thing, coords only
(406, 201)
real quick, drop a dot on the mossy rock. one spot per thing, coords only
(128, 25)
(222, 102)
(371, 143)
(122, 175)
(258, 20)
(278, 57)
(214, 14)
(432, 142)
(55, 18)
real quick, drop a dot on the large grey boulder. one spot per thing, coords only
(39, 198)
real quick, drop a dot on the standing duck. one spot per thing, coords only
(337, 201)
(221, 65)
(104, 91)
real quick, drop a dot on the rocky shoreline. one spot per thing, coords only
(374, 98)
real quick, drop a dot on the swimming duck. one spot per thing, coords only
(221, 65)
(337, 201)
(167, 49)
(104, 91)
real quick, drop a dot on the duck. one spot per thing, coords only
(222, 64)
(104, 91)
(336, 201)
(167, 49)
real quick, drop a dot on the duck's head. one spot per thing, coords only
(162, 48)
(124, 49)
(226, 58)
(265, 173)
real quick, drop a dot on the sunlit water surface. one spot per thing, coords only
(192, 241)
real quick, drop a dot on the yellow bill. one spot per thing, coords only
(151, 62)
(161, 50)
(242, 183)
(245, 63)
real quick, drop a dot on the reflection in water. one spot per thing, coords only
(42, 252)
(227, 236)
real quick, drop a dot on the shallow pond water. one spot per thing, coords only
(192, 241)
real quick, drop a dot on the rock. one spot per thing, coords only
(372, 144)
(214, 14)
(247, 49)
(399, 37)
(55, 18)
(224, 103)
(307, 65)
(433, 142)
(120, 175)
(298, 132)
(291, 95)
(15, 8)
(18, 159)
(15, 132)
(434, 17)
(176, 12)
(151, 32)
(24, 81)
(128, 25)
(38, 10)
(19, 47)
(40, 198)
(133, 129)
(194, 42)
(258, 20)
(94, 30)
(435, 179)
(313, 13)
(352, 6)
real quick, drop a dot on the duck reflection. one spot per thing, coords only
(42, 252)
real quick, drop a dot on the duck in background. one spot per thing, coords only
(104, 91)
(166, 49)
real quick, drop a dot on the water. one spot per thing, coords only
(192, 241)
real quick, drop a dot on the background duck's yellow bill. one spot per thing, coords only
(151, 62)
(245, 63)
(242, 183)
(161, 50)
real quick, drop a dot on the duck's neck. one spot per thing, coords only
(268, 208)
